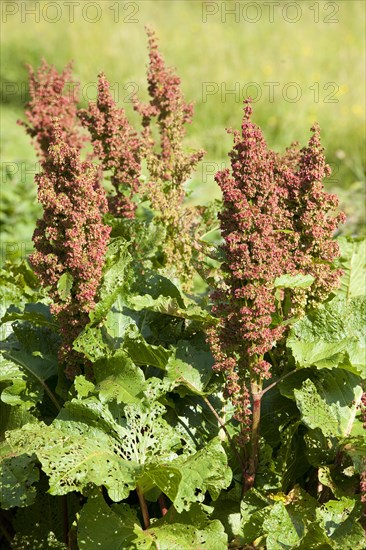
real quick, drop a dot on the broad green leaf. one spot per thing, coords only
(254, 509)
(29, 360)
(187, 481)
(283, 530)
(41, 526)
(94, 342)
(72, 460)
(13, 418)
(213, 237)
(353, 263)
(157, 286)
(18, 474)
(191, 367)
(355, 447)
(294, 281)
(170, 306)
(118, 378)
(189, 529)
(101, 526)
(88, 444)
(276, 412)
(291, 459)
(332, 336)
(339, 519)
(330, 405)
(116, 278)
(180, 535)
(64, 285)
(319, 448)
(227, 510)
(83, 386)
(341, 485)
(118, 528)
(206, 470)
(143, 353)
(37, 314)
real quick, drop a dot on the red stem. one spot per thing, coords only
(143, 506)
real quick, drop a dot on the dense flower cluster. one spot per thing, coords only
(168, 165)
(276, 219)
(53, 95)
(70, 239)
(118, 147)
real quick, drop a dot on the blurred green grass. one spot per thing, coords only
(321, 58)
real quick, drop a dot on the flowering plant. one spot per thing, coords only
(231, 417)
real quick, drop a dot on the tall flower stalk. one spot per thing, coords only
(52, 95)
(70, 240)
(276, 219)
(169, 166)
(117, 145)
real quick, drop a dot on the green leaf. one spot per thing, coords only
(94, 342)
(157, 286)
(18, 474)
(283, 530)
(118, 378)
(355, 447)
(206, 470)
(170, 306)
(291, 457)
(74, 453)
(339, 520)
(42, 525)
(117, 528)
(191, 367)
(353, 263)
(37, 314)
(332, 336)
(330, 405)
(254, 509)
(143, 353)
(64, 285)
(116, 278)
(30, 359)
(186, 481)
(192, 530)
(319, 449)
(82, 386)
(105, 527)
(294, 281)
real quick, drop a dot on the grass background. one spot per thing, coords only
(318, 46)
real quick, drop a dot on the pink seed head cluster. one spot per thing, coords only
(276, 219)
(168, 164)
(70, 238)
(53, 95)
(117, 145)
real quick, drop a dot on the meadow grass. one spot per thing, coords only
(324, 61)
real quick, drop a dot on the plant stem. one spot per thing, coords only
(249, 478)
(143, 506)
(276, 382)
(65, 514)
